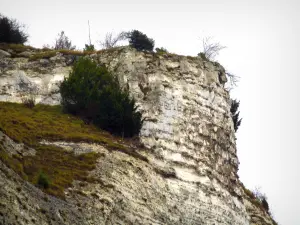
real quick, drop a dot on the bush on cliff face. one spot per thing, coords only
(11, 31)
(43, 180)
(93, 93)
(140, 41)
(161, 51)
(262, 198)
(235, 114)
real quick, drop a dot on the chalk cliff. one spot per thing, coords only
(191, 173)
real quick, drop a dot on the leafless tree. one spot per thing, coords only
(233, 80)
(112, 40)
(47, 47)
(262, 198)
(211, 49)
(258, 193)
(63, 42)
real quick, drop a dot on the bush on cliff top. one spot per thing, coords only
(89, 48)
(63, 42)
(94, 94)
(11, 31)
(140, 41)
(161, 51)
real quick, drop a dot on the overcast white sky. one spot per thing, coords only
(262, 39)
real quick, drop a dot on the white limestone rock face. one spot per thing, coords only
(20, 78)
(4, 54)
(188, 123)
(191, 177)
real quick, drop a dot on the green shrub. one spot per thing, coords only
(45, 122)
(43, 180)
(43, 55)
(235, 114)
(161, 51)
(17, 48)
(262, 199)
(89, 48)
(265, 203)
(140, 41)
(94, 94)
(203, 56)
(11, 31)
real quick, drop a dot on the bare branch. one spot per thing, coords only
(111, 41)
(233, 79)
(211, 49)
(63, 42)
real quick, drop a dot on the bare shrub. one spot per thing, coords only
(29, 98)
(47, 47)
(112, 40)
(63, 42)
(210, 49)
(262, 198)
(233, 80)
(29, 101)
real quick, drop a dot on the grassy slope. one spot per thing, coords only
(30, 126)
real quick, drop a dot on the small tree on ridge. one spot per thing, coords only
(11, 31)
(140, 41)
(210, 49)
(63, 42)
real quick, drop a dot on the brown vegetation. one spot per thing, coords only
(42, 122)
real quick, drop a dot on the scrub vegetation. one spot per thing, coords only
(259, 200)
(11, 31)
(52, 168)
(94, 94)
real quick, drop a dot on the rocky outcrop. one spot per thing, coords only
(191, 176)
(4, 54)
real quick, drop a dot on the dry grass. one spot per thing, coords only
(43, 55)
(31, 125)
(18, 48)
(76, 53)
(117, 49)
(48, 53)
